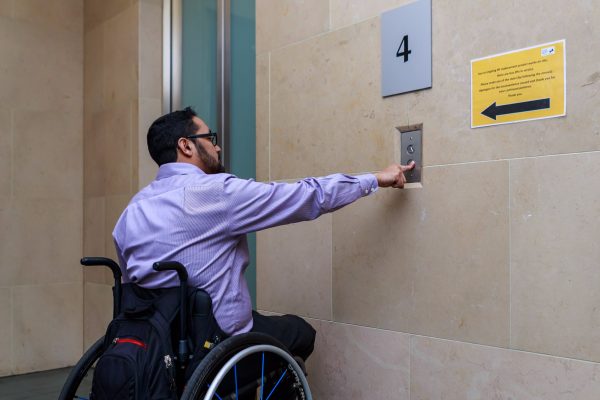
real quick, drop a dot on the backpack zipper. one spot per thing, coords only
(130, 340)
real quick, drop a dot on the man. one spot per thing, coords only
(198, 215)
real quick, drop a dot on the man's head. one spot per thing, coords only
(181, 136)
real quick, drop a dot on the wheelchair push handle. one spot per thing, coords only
(116, 271)
(182, 351)
(105, 262)
(172, 266)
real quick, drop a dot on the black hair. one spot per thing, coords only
(165, 132)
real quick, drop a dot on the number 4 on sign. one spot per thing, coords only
(403, 50)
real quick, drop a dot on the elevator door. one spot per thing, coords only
(200, 84)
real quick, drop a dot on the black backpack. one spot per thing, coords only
(138, 362)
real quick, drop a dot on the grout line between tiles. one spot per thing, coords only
(294, 179)
(331, 269)
(13, 345)
(12, 154)
(416, 335)
(509, 258)
(410, 356)
(269, 115)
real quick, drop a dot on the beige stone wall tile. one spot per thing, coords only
(430, 261)
(354, 362)
(6, 324)
(281, 22)
(554, 255)
(97, 312)
(48, 154)
(134, 108)
(150, 49)
(118, 163)
(120, 57)
(94, 154)
(445, 109)
(150, 110)
(294, 268)
(94, 237)
(41, 68)
(93, 71)
(55, 14)
(442, 369)
(262, 117)
(42, 242)
(5, 153)
(6, 8)
(347, 12)
(99, 11)
(47, 326)
(115, 205)
(327, 114)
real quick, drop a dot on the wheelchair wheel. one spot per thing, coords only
(248, 366)
(79, 382)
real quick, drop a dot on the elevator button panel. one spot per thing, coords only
(411, 149)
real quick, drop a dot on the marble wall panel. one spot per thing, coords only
(149, 110)
(554, 255)
(93, 237)
(445, 109)
(294, 268)
(262, 117)
(6, 325)
(150, 49)
(281, 22)
(98, 311)
(57, 14)
(94, 145)
(99, 11)
(5, 152)
(430, 261)
(42, 242)
(347, 12)
(47, 154)
(39, 310)
(115, 205)
(93, 93)
(448, 370)
(6, 8)
(41, 67)
(118, 148)
(354, 362)
(327, 114)
(120, 57)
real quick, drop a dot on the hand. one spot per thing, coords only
(393, 175)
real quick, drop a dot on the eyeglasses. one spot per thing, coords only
(211, 135)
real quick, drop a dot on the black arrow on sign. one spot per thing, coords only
(494, 110)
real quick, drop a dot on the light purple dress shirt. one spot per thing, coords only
(201, 220)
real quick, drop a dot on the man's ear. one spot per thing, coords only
(184, 147)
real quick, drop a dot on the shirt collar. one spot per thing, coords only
(177, 168)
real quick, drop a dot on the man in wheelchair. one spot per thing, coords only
(198, 215)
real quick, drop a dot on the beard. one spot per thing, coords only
(212, 165)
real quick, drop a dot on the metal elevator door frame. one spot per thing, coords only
(173, 67)
(216, 62)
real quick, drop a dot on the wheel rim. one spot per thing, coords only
(294, 369)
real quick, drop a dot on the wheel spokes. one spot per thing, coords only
(278, 381)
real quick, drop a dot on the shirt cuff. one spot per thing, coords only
(368, 184)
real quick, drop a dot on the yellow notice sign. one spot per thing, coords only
(520, 85)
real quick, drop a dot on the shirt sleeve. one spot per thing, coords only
(253, 206)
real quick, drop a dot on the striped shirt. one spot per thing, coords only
(201, 220)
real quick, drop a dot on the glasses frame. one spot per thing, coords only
(212, 135)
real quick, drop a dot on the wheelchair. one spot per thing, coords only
(246, 366)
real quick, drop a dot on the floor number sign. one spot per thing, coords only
(406, 48)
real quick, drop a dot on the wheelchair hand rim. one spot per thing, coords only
(252, 350)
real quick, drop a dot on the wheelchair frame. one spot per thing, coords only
(215, 370)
